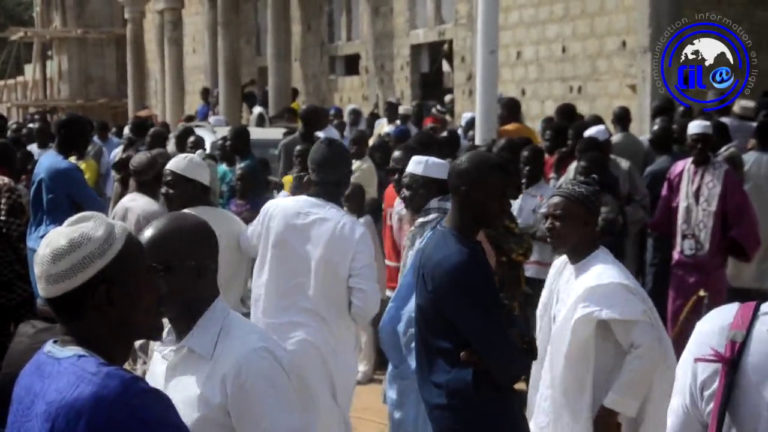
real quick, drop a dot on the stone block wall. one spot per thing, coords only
(594, 53)
(579, 51)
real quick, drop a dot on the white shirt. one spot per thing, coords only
(527, 210)
(37, 151)
(696, 383)
(137, 211)
(314, 281)
(754, 274)
(234, 263)
(364, 172)
(600, 342)
(226, 375)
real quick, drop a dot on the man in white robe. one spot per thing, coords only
(314, 283)
(604, 356)
(696, 383)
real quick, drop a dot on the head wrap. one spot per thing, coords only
(699, 127)
(600, 132)
(147, 164)
(191, 167)
(428, 166)
(401, 134)
(73, 253)
(405, 110)
(583, 192)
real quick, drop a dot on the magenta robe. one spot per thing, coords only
(734, 233)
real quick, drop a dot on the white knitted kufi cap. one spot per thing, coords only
(191, 167)
(600, 132)
(699, 127)
(428, 166)
(73, 253)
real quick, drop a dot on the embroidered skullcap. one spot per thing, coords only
(191, 167)
(584, 192)
(600, 132)
(699, 127)
(428, 166)
(73, 253)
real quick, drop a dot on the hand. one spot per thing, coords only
(606, 420)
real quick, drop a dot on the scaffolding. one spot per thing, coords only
(39, 88)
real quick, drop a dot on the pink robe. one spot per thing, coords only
(734, 233)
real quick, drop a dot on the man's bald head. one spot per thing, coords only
(480, 184)
(181, 236)
(183, 251)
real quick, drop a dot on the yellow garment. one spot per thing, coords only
(295, 105)
(90, 170)
(287, 183)
(517, 130)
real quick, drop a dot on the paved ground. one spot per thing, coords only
(369, 414)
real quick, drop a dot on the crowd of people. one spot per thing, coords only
(558, 278)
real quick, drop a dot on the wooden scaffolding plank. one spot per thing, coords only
(31, 34)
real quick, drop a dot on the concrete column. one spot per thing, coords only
(434, 17)
(279, 54)
(173, 36)
(487, 84)
(230, 100)
(160, 61)
(211, 42)
(137, 90)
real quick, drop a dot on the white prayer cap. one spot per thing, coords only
(190, 166)
(405, 110)
(699, 127)
(428, 166)
(745, 108)
(73, 253)
(393, 100)
(600, 132)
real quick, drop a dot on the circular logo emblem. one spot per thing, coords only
(705, 64)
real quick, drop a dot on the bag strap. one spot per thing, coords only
(729, 361)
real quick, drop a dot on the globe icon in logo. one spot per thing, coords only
(705, 64)
(706, 50)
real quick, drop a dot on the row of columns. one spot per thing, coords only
(223, 66)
